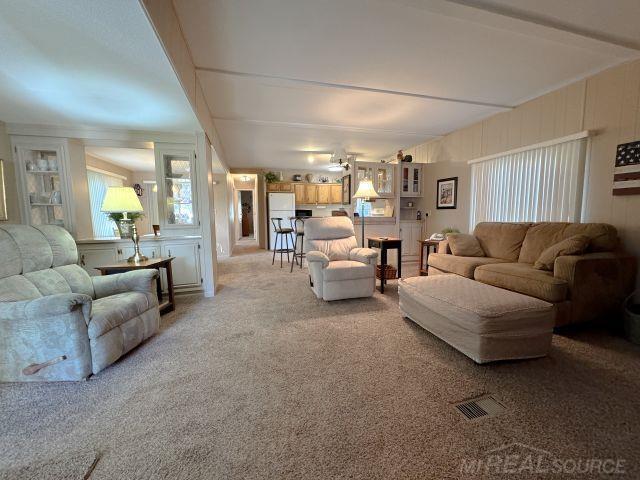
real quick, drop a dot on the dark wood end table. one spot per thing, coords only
(153, 263)
(385, 244)
(425, 258)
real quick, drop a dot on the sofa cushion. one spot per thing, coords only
(77, 278)
(35, 251)
(464, 266)
(464, 245)
(63, 246)
(16, 288)
(11, 263)
(603, 237)
(48, 282)
(347, 270)
(501, 240)
(574, 245)
(110, 312)
(523, 278)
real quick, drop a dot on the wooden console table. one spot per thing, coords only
(425, 258)
(384, 244)
(152, 263)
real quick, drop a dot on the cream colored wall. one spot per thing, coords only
(109, 167)
(607, 103)
(10, 182)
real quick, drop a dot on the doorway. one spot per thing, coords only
(246, 213)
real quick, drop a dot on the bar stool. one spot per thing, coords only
(282, 233)
(297, 224)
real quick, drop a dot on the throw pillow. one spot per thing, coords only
(574, 245)
(464, 245)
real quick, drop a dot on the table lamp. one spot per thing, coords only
(124, 200)
(365, 192)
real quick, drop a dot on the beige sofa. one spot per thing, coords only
(581, 287)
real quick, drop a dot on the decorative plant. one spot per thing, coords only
(117, 217)
(447, 230)
(270, 177)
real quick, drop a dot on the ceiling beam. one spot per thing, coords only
(357, 88)
(346, 128)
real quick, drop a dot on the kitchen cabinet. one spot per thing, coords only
(411, 180)
(335, 194)
(310, 194)
(299, 191)
(279, 187)
(324, 194)
(411, 234)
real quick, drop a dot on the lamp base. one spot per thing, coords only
(137, 256)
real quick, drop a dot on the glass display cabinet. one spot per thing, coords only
(411, 180)
(42, 166)
(176, 167)
(381, 174)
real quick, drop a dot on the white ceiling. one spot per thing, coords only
(134, 159)
(66, 62)
(287, 76)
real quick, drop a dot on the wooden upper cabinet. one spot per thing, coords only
(310, 194)
(324, 194)
(335, 194)
(279, 187)
(299, 190)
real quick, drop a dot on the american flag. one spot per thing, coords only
(626, 175)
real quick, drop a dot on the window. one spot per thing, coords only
(98, 184)
(540, 183)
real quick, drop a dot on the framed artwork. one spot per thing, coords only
(3, 198)
(447, 193)
(346, 189)
(626, 174)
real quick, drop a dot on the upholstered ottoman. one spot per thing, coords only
(485, 323)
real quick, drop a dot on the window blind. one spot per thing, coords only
(538, 184)
(98, 184)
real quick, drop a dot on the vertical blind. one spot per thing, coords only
(534, 185)
(98, 184)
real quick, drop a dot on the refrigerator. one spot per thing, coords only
(282, 205)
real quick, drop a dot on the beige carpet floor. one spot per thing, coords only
(266, 382)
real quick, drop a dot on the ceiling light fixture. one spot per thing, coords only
(339, 160)
(245, 178)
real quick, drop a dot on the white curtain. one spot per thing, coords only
(98, 184)
(536, 185)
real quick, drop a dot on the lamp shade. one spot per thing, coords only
(121, 200)
(366, 190)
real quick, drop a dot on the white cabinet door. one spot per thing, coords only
(186, 265)
(151, 251)
(410, 233)
(91, 258)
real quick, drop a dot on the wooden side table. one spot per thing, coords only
(425, 258)
(385, 244)
(154, 263)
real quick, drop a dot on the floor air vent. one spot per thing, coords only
(481, 407)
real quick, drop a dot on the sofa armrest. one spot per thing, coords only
(443, 247)
(133, 281)
(43, 307)
(45, 338)
(315, 256)
(598, 282)
(364, 255)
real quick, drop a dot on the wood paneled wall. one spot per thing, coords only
(608, 103)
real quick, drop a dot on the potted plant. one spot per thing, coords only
(270, 177)
(124, 228)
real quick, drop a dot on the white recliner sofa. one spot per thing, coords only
(337, 267)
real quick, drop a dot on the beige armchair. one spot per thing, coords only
(337, 267)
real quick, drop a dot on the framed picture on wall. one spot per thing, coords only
(447, 193)
(346, 189)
